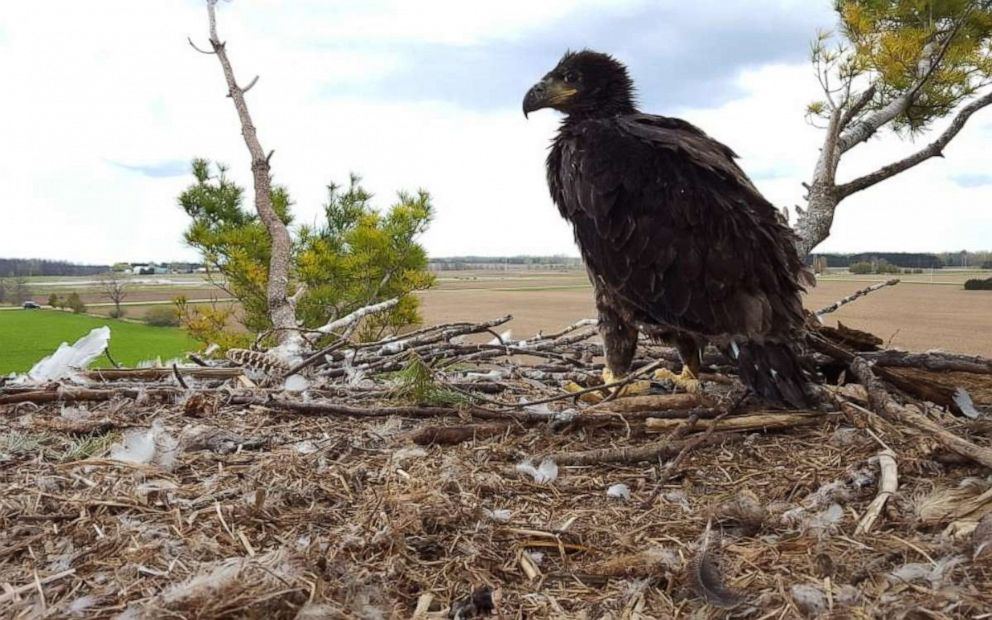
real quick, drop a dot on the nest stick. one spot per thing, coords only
(856, 295)
(13, 593)
(884, 405)
(888, 484)
(761, 420)
(657, 450)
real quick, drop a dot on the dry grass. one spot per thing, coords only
(346, 519)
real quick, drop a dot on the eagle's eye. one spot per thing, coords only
(571, 77)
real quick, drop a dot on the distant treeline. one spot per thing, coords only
(909, 260)
(23, 267)
(455, 263)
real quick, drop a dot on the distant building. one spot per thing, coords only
(147, 269)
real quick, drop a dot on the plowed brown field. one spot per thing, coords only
(912, 315)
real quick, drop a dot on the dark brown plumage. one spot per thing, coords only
(677, 240)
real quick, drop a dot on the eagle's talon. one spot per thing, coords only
(631, 389)
(586, 397)
(685, 380)
(572, 386)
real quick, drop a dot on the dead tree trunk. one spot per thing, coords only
(281, 308)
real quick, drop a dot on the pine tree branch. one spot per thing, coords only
(930, 59)
(855, 108)
(934, 149)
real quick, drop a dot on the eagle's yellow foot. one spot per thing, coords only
(631, 389)
(686, 380)
(588, 397)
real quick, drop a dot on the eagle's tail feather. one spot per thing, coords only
(773, 371)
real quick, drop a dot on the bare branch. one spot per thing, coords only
(855, 108)
(250, 84)
(281, 311)
(356, 316)
(858, 294)
(197, 48)
(212, 18)
(826, 165)
(934, 149)
(887, 487)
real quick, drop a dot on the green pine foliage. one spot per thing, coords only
(884, 40)
(354, 256)
(358, 256)
(417, 385)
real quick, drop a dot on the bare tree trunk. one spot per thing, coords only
(281, 309)
(813, 224)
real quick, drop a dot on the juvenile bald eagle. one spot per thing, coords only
(677, 240)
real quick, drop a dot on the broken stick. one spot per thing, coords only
(887, 486)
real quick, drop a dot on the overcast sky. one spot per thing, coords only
(104, 103)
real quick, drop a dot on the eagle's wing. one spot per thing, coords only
(673, 227)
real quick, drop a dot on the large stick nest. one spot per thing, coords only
(440, 476)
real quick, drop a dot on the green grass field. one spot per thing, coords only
(26, 336)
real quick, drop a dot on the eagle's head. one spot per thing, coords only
(584, 83)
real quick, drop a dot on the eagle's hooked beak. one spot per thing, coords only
(548, 93)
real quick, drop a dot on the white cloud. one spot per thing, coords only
(92, 88)
(437, 21)
(924, 209)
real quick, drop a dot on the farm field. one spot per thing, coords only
(915, 315)
(926, 311)
(26, 336)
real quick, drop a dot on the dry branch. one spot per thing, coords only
(858, 294)
(12, 593)
(452, 435)
(652, 452)
(884, 405)
(330, 408)
(350, 320)
(75, 395)
(652, 402)
(281, 310)
(314, 408)
(935, 361)
(756, 421)
(155, 374)
(602, 418)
